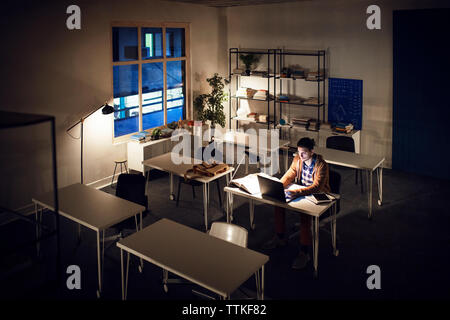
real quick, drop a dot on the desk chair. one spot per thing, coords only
(130, 187)
(345, 143)
(194, 183)
(231, 233)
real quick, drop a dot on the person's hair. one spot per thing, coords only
(307, 143)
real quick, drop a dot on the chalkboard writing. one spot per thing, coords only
(345, 101)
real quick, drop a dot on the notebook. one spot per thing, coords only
(319, 198)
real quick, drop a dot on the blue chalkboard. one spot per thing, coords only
(345, 101)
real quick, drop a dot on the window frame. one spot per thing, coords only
(187, 64)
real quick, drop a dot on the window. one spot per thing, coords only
(150, 84)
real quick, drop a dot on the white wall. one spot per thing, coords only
(354, 51)
(49, 69)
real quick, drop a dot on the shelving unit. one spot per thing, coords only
(10, 120)
(320, 80)
(235, 83)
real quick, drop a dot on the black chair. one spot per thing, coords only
(345, 143)
(194, 183)
(130, 187)
(335, 186)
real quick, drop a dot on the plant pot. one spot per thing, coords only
(247, 72)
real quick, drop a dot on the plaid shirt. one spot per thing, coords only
(307, 171)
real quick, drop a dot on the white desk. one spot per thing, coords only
(299, 205)
(164, 163)
(92, 208)
(358, 161)
(245, 140)
(215, 264)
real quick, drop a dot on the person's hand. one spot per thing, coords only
(291, 193)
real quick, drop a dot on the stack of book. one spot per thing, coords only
(300, 122)
(314, 124)
(245, 92)
(283, 98)
(343, 127)
(260, 95)
(253, 116)
(314, 75)
(141, 136)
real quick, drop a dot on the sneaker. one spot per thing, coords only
(301, 261)
(274, 243)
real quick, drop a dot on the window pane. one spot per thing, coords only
(152, 95)
(125, 44)
(176, 90)
(126, 99)
(174, 42)
(152, 47)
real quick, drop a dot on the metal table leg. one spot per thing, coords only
(262, 282)
(141, 262)
(124, 285)
(252, 213)
(380, 184)
(172, 195)
(147, 180)
(205, 204)
(370, 193)
(316, 246)
(99, 265)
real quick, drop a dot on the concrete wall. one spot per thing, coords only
(49, 69)
(354, 52)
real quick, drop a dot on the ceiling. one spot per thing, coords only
(233, 3)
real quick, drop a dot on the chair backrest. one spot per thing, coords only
(343, 143)
(335, 186)
(229, 232)
(131, 187)
(335, 182)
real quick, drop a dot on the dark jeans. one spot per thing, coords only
(305, 225)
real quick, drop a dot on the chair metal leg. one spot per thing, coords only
(178, 192)
(362, 184)
(112, 180)
(218, 191)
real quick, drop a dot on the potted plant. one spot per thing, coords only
(249, 60)
(156, 133)
(209, 106)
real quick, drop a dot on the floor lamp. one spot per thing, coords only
(106, 109)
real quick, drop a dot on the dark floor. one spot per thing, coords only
(407, 238)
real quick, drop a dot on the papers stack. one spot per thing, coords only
(260, 95)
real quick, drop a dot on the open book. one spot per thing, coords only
(248, 183)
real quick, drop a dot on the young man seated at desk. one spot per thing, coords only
(311, 171)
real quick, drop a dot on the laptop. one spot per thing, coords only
(272, 189)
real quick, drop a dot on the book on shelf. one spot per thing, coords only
(248, 183)
(300, 122)
(260, 95)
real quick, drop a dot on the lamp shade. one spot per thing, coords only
(107, 109)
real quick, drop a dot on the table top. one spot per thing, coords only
(90, 207)
(213, 263)
(164, 163)
(300, 204)
(350, 159)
